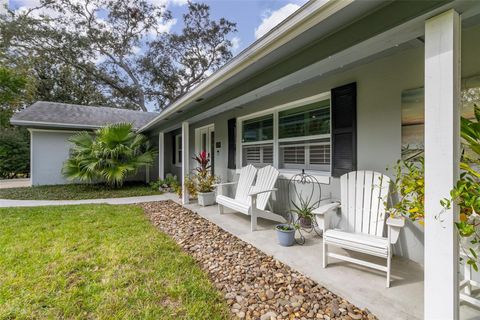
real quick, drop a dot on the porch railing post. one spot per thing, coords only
(442, 121)
(161, 155)
(185, 160)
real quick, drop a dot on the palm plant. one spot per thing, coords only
(110, 154)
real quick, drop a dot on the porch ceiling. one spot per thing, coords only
(388, 28)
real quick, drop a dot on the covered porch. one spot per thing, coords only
(421, 52)
(361, 286)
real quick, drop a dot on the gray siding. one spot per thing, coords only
(49, 152)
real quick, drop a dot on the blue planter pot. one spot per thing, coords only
(286, 238)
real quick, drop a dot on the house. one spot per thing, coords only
(337, 86)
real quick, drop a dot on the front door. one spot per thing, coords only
(205, 141)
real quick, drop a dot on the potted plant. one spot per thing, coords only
(204, 180)
(285, 234)
(304, 212)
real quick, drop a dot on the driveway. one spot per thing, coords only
(14, 183)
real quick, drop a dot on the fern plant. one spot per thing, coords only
(109, 155)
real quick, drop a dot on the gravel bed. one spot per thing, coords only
(255, 285)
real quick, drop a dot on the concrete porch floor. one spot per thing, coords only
(361, 286)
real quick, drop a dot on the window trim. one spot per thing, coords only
(276, 141)
(178, 147)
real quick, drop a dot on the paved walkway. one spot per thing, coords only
(14, 183)
(35, 203)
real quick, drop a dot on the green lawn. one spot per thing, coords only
(76, 192)
(97, 262)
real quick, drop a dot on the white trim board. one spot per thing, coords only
(53, 130)
(55, 124)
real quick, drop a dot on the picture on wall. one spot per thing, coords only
(413, 115)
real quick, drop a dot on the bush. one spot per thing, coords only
(169, 184)
(110, 155)
(14, 153)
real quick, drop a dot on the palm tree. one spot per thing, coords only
(110, 154)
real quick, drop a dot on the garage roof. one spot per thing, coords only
(61, 115)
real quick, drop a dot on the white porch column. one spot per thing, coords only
(442, 121)
(185, 160)
(161, 155)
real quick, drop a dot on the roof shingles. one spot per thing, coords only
(62, 115)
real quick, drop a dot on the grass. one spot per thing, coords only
(97, 261)
(76, 192)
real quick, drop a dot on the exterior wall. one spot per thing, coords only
(153, 172)
(49, 150)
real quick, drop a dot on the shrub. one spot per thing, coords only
(109, 155)
(14, 153)
(169, 184)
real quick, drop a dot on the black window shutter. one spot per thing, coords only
(232, 144)
(344, 129)
(173, 148)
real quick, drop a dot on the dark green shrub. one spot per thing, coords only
(110, 154)
(14, 153)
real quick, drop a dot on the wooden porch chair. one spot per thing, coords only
(251, 200)
(363, 210)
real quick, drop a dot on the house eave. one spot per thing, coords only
(56, 125)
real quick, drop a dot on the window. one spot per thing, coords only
(300, 131)
(178, 150)
(257, 141)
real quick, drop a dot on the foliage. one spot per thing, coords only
(77, 192)
(304, 209)
(110, 154)
(409, 187)
(14, 153)
(285, 227)
(98, 262)
(14, 142)
(204, 179)
(466, 193)
(191, 186)
(175, 63)
(12, 86)
(169, 184)
(122, 49)
(63, 83)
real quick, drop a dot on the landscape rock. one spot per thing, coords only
(254, 285)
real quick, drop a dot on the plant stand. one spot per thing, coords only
(306, 187)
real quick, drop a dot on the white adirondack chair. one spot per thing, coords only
(251, 200)
(363, 206)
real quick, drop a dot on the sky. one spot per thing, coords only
(253, 17)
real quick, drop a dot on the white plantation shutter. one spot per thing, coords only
(267, 154)
(320, 154)
(259, 155)
(252, 154)
(294, 155)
